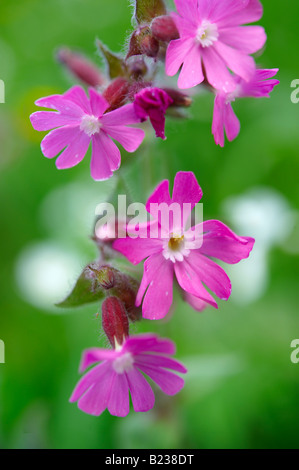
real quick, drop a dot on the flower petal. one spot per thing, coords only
(61, 104)
(160, 195)
(98, 373)
(186, 191)
(154, 360)
(143, 397)
(169, 383)
(252, 12)
(218, 119)
(122, 116)
(119, 403)
(96, 399)
(195, 302)
(74, 153)
(231, 123)
(191, 282)
(77, 95)
(222, 243)
(137, 249)
(94, 355)
(98, 103)
(248, 39)
(240, 63)
(187, 9)
(129, 137)
(149, 343)
(157, 286)
(191, 73)
(176, 53)
(211, 274)
(105, 157)
(57, 139)
(46, 120)
(217, 73)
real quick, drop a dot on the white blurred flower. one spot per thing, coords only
(265, 215)
(44, 274)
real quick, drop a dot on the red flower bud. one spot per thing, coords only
(164, 28)
(80, 67)
(149, 46)
(143, 42)
(115, 321)
(116, 93)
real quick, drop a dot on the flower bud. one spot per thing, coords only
(179, 99)
(143, 42)
(164, 28)
(80, 67)
(150, 46)
(115, 321)
(146, 10)
(105, 277)
(137, 68)
(116, 93)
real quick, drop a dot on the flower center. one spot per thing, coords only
(207, 34)
(90, 125)
(123, 363)
(175, 248)
(175, 243)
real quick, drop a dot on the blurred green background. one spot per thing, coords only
(242, 388)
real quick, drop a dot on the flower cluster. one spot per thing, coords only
(208, 43)
(205, 41)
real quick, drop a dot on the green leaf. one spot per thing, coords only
(146, 10)
(86, 291)
(115, 64)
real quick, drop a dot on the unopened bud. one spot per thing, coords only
(116, 93)
(179, 99)
(80, 67)
(115, 321)
(150, 46)
(143, 42)
(137, 68)
(164, 28)
(105, 277)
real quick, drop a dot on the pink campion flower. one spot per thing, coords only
(182, 252)
(212, 41)
(224, 117)
(78, 121)
(153, 103)
(121, 370)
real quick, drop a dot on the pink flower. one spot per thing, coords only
(153, 103)
(212, 41)
(224, 117)
(78, 121)
(118, 371)
(183, 253)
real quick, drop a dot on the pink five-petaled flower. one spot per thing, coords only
(224, 117)
(183, 252)
(153, 103)
(79, 120)
(107, 385)
(212, 41)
